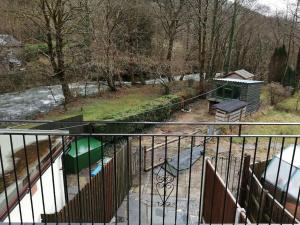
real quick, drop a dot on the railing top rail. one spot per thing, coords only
(153, 123)
(33, 132)
(61, 133)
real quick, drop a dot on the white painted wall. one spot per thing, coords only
(18, 144)
(37, 196)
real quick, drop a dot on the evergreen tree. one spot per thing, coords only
(297, 70)
(277, 65)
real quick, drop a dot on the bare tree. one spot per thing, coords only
(110, 16)
(171, 16)
(56, 15)
(231, 37)
(200, 12)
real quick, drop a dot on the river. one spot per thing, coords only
(27, 104)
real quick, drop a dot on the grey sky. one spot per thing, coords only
(276, 5)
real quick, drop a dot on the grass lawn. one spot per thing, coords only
(291, 104)
(125, 102)
(273, 115)
(282, 112)
(107, 106)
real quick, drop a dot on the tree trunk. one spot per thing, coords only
(170, 48)
(200, 45)
(212, 65)
(87, 28)
(231, 38)
(56, 51)
(111, 83)
(142, 79)
(169, 57)
(213, 37)
(203, 47)
(291, 38)
(66, 91)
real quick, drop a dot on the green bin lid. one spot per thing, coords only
(82, 146)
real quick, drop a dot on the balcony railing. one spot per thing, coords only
(215, 173)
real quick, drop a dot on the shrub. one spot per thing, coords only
(277, 93)
(157, 110)
(32, 51)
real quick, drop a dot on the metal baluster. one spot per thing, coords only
(128, 177)
(264, 180)
(140, 178)
(16, 177)
(289, 179)
(78, 179)
(152, 177)
(28, 177)
(103, 179)
(4, 186)
(177, 181)
(65, 179)
(214, 183)
(165, 178)
(240, 175)
(227, 179)
(296, 210)
(251, 180)
(40, 175)
(115, 181)
(52, 173)
(276, 182)
(189, 184)
(201, 185)
(90, 175)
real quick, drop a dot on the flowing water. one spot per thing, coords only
(26, 104)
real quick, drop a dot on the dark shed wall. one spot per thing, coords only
(250, 93)
(233, 84)
(253, 97)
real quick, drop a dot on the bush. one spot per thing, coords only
(277, 93)
(32, 51)
(157, 110)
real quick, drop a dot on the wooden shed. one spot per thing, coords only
(230, 111)
(244, 90)
(240, 74)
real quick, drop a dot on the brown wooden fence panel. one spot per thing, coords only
(215, 195)
(89, 205)
(260, 204)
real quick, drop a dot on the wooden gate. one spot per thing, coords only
(219, 204)
(99, 200)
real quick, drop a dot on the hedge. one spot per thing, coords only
(157, 110)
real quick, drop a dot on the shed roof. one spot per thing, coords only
(230, 105)
(287, 155)
(239, 81)
(9, 41)
(242, 73)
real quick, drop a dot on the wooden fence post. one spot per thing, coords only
(244, 182)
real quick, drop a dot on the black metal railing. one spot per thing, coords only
(196, 173)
